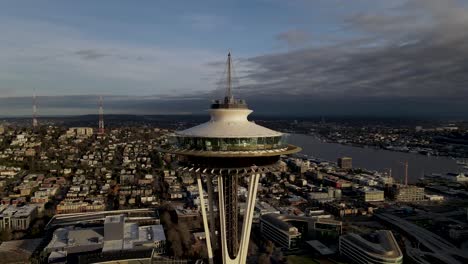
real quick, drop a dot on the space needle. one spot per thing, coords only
(223, 150)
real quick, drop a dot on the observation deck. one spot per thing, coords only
(229, 134)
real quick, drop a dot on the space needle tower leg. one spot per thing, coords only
(241, 254)
(205, 220)
(248, 217)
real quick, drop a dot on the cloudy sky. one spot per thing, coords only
(295, 57)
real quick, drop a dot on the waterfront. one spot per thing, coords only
(376, 159)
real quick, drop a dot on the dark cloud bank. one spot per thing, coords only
(410, 61)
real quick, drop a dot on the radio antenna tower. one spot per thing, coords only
(34, 121)
(101, 117)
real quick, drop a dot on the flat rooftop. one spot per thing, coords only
(77, 240)
(18, 211)
(321, 248)
(135, 236)
(114, 219)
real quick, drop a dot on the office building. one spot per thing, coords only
(262, 208)
(345, 163)
(367, 194)
(288, 231)
(379, 248)
(15, 217)
(406, 193)
(80, 132)
(282, 233)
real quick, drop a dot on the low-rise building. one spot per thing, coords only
(79, 206)
(457, 177)
(262, 208)
(434, 197)
(43, 194)
(406, 193)
(371, 194)
(282, 233)
(14, 217)
(324, 194)
(288, 231)
(115, 236)
(79, 132)
(345, 163)
(336, 182)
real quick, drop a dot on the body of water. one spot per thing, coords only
(376, 159)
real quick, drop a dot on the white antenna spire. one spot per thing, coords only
(229, 96)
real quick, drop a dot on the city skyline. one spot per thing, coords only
(404, 58)
(128, 132)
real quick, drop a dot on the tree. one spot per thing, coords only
(175, 241)
(263, 259)
(269, 247)
(35, 230)
(253, 248)
(198, 250)
(6, 235)
(185, 236)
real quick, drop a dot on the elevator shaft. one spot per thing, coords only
(231, 182)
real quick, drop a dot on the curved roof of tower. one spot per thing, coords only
(228, 129)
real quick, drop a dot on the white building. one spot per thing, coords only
(17, 217)
(20, 140)
(434, 197)
(79, 132)
(115, 235)
(460, 177)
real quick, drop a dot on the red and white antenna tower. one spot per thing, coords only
(34, 121)
(101, 117)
